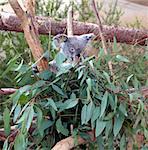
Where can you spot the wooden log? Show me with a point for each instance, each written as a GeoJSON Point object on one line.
{"type": "Point", "coordinates": [10, 22]}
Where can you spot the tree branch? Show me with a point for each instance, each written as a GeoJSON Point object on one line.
{"type": "Point", "coordinates": [69, 143]}
{"type": "Point", "coordinates": [29, 25]}
{"type": "Point", "coordinates": [9, 22]}
{"type": "Point", "coordinates": [100, 27]}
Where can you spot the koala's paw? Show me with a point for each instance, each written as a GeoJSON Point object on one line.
{"type": "Point", "coordinates": [53, 67]}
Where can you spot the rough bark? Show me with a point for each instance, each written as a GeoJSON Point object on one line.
{"type": "Point", "coordinates": [30, 28]}
{"type": "Point", "coordinates": [9, 22]}
{"type": "Point", "coordinates": [7, 91]}
{"type": "Point", "coordinates": [69, 143]}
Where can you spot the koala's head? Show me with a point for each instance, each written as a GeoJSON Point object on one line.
{"type": "Point", "coordinates": [72, 46]}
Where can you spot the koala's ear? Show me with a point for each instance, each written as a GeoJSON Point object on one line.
{"type": "Point", "coordinates": [89, 36]}
{"type": "Point", "coordinates": [58, 39]}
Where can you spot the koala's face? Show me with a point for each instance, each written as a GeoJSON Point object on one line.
{"type": "Point", "coordinates": [72, 46]}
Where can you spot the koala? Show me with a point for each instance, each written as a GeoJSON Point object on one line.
{"type": "Point", "coordinates": [69, 46]}
{"type": "Point", "coordinates": [72, 46]}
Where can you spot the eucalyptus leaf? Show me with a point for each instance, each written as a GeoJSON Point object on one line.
{"type": "Point", "coordinates": [57, 89]}
{"type": "Point", "coordinates": [123, 142]}
{"type": "Point", "coordinates": [60, 58]}
{"type": "Point", "coordinates": [104, 103]}
{"type": "Point", "coordinates": [60, 128]}
{"type": "Point", "coordinates": [100, 126]}
{"type": "Point", "coordinates": [6, 118]}
{"type": "Point", "coordinates": [39, 116]}
{"type": "Point", "coordinates": [30, 117]}
{"type": "Point", "coordinates": [96, 113]}
{"type": "Point", "coordinates": [89, 111]}
{"type": "Point", "coordinates": [80, 74]}
{"type": "Point", "coordinates": [51, 103]}
{"type": "Point", "coordinates": [88, 81]}
{"type": "Point", "coordinates": [5, 145]}
{"type": "Point", "coordinates": [20, 142]}
{"type": "Point", "coordinates": [17, 112]}
{"type": "Point", "coordinates": [83, 114]}
{"type": "Point", "coordinates": [119, 119]}
{"type": "Point", "coordinates": [122, 58]}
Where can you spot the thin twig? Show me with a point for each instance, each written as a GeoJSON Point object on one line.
{"type": "Point", "coordinates": [100, 27]}
{"type": "Point", "coordinates": [70, 20]}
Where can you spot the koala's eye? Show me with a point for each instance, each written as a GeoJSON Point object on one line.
{"type": "Point", "coordinates": [72, 49]}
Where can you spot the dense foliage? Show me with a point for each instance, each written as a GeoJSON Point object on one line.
{"type": "Point", "coordinates": [84, 96]}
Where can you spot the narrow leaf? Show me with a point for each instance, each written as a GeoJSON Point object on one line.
{"type": "Point", "coordinates": [104, 103]}
{"type": "Point", "coordinates": [119, 119]}
{"type": "Point", "coordinates": [30, 117]}
{"type": "Point", "coordinates": [122, 58]}
{"type": "Point", "coordinates": [100, 125]}
{"type": "Point", "coordinates": [61, 128]}
{"type": "Point", "coordinates": [6, 117]}
{"type": "Point", "coordinates": [51, 103]}
{"type": "Point", "coordinates": [17, 112]}
{"type": "Point", "coordinates": [83, 114]}
{"type": "Point", "coordinates": [89, 111]}
{"type": "Point", "coordinates": [57, 89]}
{"type": "Point", "coordinates": [96, 114]}
{"type": "Point", "coordinates": [88, 81]}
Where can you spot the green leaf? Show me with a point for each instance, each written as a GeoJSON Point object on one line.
{"type": "Point", "coordinates": [108, 129]}
{"type": "Point", "coordinates": [30, 117]}
{"type": "Point", "coordinates": [83, 114]}
{"type": "Point", "coordinates": [6, 118]}
{"type": "Point", "coordinates": [27, 116]}
{"type": "Point", "coordinates": [64, 68]}
{"type": "Point", "coordinates": [38, 84]}
{"type": "Point", "coordinates": [61, 128]}
{"type": "Point", "coordinates": [20, 142]}
{"type": "Point", "coordinates": [46, 55]}
{"type": "Point", "coordinates": [107, 76]}
{"type": "Point", "coordinates": [100, 142]}
{"type": "Point", "coordinates": [45, 124]}
{"type": "Point", "coordinates": [39, 116]}
{"type": "Point", "coordinates": [122, 58]}
{"type": "Point", "coordinates": [73, 96]}
{"type": "Point", "coordinates": [57, 89]}
{"type": "Point", "coordinates": [100, 126]}
{"type": "Point", "coordinates": [122, 108]}
{"type": "Point", "coordinates": [96, 113]}
{"type": "Point", "coordinates": [17, 112]}
{"type": "Point", "coordinates": [19, 66]}
{"type": "Point", "coordinates": [104, 103]}
{"type": "Point", "coordinates": [60, 58]}
{"type": "Point", "coordinates": [45, 75]}
{"type": "Point", "coordinates": [119, 119]}
{"type": "Point", "coordinates": [109, 116]}
{"type": "Point", "coordinates": [80, 74]}
{"type": "Point", "coordinates": [123, 142]}
{"type": "Point", "coordinates": [51, 103]}
{"type": "Point", "coordinates": [88, 81]}
{"type": "Point", "coordinates": [70, 103]}
{"type": "Point", "coordinates": [111, 142]}
{"type": "Point", "coordinates": [129, 77]}
{"type": "Point", "coordinates": [5, 145]}
{"type": "Point", "coordinates": [115, 45]}
{"type": "Point", "coordinates": [89, 111]}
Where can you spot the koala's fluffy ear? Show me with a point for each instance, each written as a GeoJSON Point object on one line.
{"type": "Point", "coordinates": [58, 39]}
{"type": "Point", "coordinates": [89, 36]}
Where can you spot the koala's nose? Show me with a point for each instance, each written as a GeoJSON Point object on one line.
{"type": "Point", "coordinates": [89, 36]}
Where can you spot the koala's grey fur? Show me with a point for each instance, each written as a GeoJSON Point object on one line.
{"type": "Point", "coordinates": [72, 46]}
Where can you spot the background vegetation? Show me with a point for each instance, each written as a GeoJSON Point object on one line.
{"type": "Point", "coordinates": [83, 96]}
